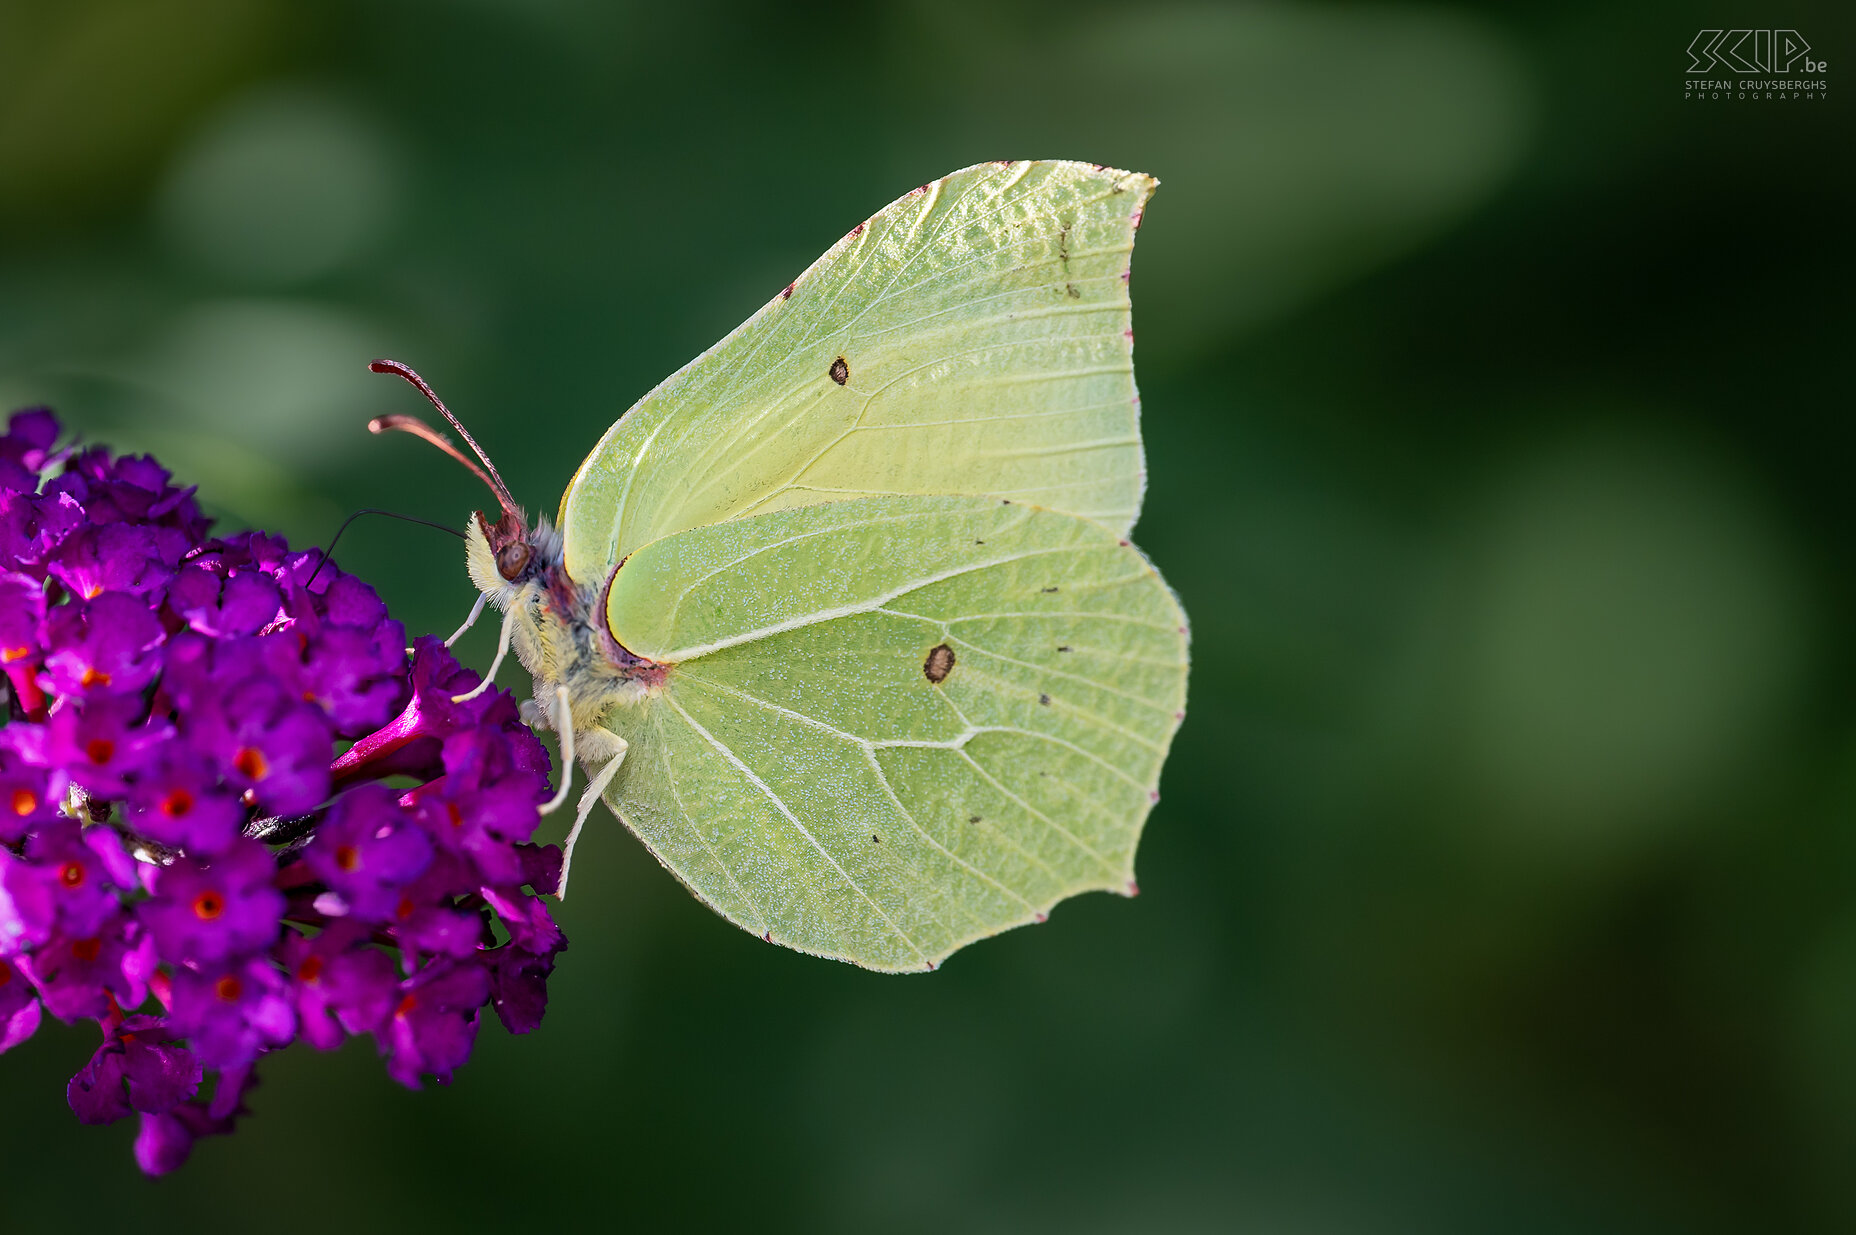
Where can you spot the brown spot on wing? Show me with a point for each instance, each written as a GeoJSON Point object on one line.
{"type": "Point", "coordinates": [939, 664]}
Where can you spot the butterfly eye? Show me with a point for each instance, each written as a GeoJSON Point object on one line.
{"type": "Point", "coordinates": [511, 559]}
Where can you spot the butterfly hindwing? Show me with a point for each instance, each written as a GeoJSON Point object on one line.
{"type": "Point", "coordinates": [894, 725]}
{"type": "Point", "coordinates": [973, 337]}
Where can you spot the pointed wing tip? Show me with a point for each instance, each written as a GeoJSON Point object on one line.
{"type": "Point", "coordinates": [1145, 182]}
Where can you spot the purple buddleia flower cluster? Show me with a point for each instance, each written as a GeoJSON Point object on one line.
{"type": "Point", "coordinates": [235, 813]}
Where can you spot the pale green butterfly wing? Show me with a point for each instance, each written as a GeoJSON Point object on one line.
{"type": "Point", "coordinates": [973, 337]}
{"type": "Point", "coordinates": [804, 772]}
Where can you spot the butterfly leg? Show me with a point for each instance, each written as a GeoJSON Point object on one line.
{"type": "Point", "coordinates": [502, 650]}
{"type": "Point", "coordinates": [563, 721]}
{"type": "Point", "coordinates": [590, 799]}
{"type": "Point", "coordinates": [476, 611]}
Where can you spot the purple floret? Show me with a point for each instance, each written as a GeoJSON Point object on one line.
{"type": "Point", "coordinates": [108, 644]}
{"type": "Point", "coordinates": [65, 883]}
{"type": "Point", "coordinates": [207, 912]}
{"type": "Point", "coordinates": [22, 630]}
{"type": "Point", "coordinates": [342, 985]}
{"type": "Point", "coordinates": [30, 793]}
{"type": "Point", "coordinates": [140, 1066]}
{"type": "Point", "coordinates": [19, 1006]}
{"type": "Point", "coordinates": [182, 803]}
{"type": "Point", "coordinates": [233, 1011]}
{"type": "Point", "coordinates": [101, 742]}
{"type": "Point", "coordinates": [79, 976]}
{"type": "Point", "coordinates": [266, 742]}
{"type": "Point", "coordinates": [435, 1023]}
{"type": "Point", "coordinates": [26, 448]}
{"type": "Point", "coordinates": [185, 857]}
{"type": "Point", "coordinates": [34, 527]}
{"type": "Point", "coordinates": [165, 1139]}
{"type": "Point", "coordinates": [117, 557]}
{"type": "Point", "coordinates": [367, 852]}
{"type": "Point", "coordinates": [519, 986]}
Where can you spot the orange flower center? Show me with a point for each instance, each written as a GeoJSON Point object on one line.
{"type": "Point", "coordinates": [310, 969]}
{"type": "Point", "coordinates": [208, 905]}
{"type": "Point", "coordinates": [86, 949]}
{"type": "Point", "coordinates": [177, 803]}
{"type": "Point", "coordinates": [454, 814]}
{"type": "Point", "coordinates": [9, 655]}
{"type": "Point", "coordinates": [94, 676]}
{"type": "Point", "coordinates": [100, 750]}
{"type": "Point", "coordinates": [24, 801]}
{"type": "Point", "coordinates": [406, 1005]}
{"type": "Point", "coordinates": [229, 988]}
{"type": "Point", "coordinates": [250, 762]}
{"type": "Point", "coordinates": [347, 857]}
{"type": "Point", "coordinates": [71, 874]}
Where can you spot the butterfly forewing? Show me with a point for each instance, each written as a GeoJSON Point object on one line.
{"type": "Point", "coordinates": [892, 726]}
{"type": "Point", "coordinates": [973, 337]}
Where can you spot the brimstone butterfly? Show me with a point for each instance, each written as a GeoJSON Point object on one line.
{"type": "Point", "coordinates": [842, 618]}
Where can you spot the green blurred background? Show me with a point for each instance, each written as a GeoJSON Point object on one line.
{"type": "Point", "coordinates": [1505, 878]}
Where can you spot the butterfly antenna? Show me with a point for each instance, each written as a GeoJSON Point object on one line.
{"type": "Point", "coordinates": [424, 432]}
{"type": "Point", "coordinates": [333, 540]}
{"type": "Point", "coordinates": [419, 429]}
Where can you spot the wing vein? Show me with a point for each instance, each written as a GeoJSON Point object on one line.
{"type": "Point", "coordinates": [735, 761]}
{"type": "Point", "coordinates": [1033, 811]}
{"type": "Point", "coordinates": [799, 621]}
{"type": "Point", "coordinates": [1092, 683]}
{"type": "Point", "coordinates": [866, 747]}
{"type": "Point", "coordinates": [689, 819]}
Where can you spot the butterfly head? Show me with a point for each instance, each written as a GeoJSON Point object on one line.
{"type": "Point", "coordinates": [506, 555]}
{"type": "Point", "coordinates": [506, 546]}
